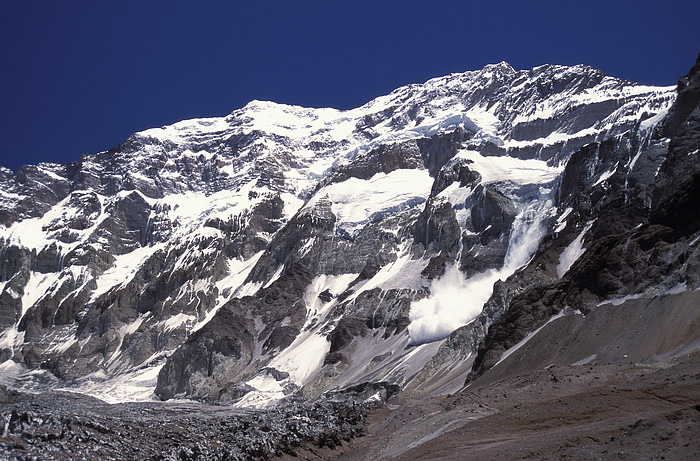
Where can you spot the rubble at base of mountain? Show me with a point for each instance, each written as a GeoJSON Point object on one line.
{"type": "Point", "coordinates": [61, 426]}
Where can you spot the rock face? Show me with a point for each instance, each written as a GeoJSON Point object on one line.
{"type": "Point", "coordinates": [283, 252]}
{"type": "Point", "coordinates": [213, 360]}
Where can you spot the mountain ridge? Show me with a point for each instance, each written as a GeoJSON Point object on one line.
{"type": "Point", "coordinates": [119, 264]}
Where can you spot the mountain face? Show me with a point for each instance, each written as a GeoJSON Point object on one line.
{"type": "Point", "coordinates": [285, 252]}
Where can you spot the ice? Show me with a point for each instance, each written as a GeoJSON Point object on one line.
{"type": "Point", "coordinates": [302, 360]}
{"type": "Point", "coordinates": [561, 220]}
{"type": "Point", "coordinates": [10, 195]}
{"type": "Point", "coordinates": [125, 330]}
{"type": "Point", "coordinates": [303, 357]}
{"type": "Point", "coordinates": [646, 128]}
{"type": "Point", "coordinates": [37, 287]}
{"type": "Point", "coordinates": [28, 233]}
{"type": "Point", "coordinates": [307, 143]}
{"type": "Point", "coordinates": [296, 122]}
{"type": "Point", "coordinates": [335, 284]}
{"type": "Point", "coordinates": [31, 233]}
{"type": "Point", "coordinates": [16, 375]}
{"type": "Point", "coordinates": [449, 121]}
{"type": "Point", "coordinates": [180, 131]}
{"type": "Point", "coordinates": [405, 272]}
{"type": "Point", "coordinates": [178, 320]}
{"type": "Point", "coordinates": [402, 361]}
{"type": "Point", "coordinates": [192, 207]}
{"type": "Point", "coordinates": [606, 175]}
{"type": "Point", "coordinates": [456, 194]}
{"type": "Point", "coordinates": [621, 300]}
{"type": "Point", "coordinates": [694, 241]}
{"type": "Point", "coordinates": [124, 269]}
{"type": "Point", "coordinates": [608, 90]}
{"type": "Point", "coordinates": [676, 289]}
{"type": "Point", "coordinates": [233, 284]}
{"type": "Point", "coordinates": [306, 353]}
{"type": "Point", "coordinates": [135, 386]}
{"type": "Point", "coordinates": [238, 270]}
{"type": "Point", "coordinates": [585, 360]}
{"type": "Point", "coordinates": [486, 120]}
{"type": "Point", "coordinates": [11, 338]}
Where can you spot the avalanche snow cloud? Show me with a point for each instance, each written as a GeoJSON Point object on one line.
{"type": "Point", "coordinates": [455, 300]}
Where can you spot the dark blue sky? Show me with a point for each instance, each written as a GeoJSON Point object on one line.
{"type": "Point", "coordinates": [81, 76]}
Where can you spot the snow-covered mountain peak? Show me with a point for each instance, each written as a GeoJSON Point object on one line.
{"type": "Point", "coordinates": [524, 113]}
{"type": "Point", "coordinates": [502, 68]}
{"type": "Point", "coordinates": [181, 131]}
{"type": "Point", "coordinates": [204, 237]}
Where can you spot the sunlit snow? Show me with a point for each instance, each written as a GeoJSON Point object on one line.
{"type": "Point", "coordinates": [357, 202]}
{"type": "Point", "coordinates": [511, 169]}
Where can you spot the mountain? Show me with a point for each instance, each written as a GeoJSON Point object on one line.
{"type": "Point", "coordinates": [415, 244]}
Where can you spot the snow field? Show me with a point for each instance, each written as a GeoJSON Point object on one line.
{"type": "Point", "coordinates": [304, 357]}
{"type": "Point", "coordinates": [511, 169]}
{"type": "Point", "coordinates": [357, 202]}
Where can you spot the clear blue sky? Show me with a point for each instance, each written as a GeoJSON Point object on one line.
{"type": "Point", "coordinates": [81, 76]}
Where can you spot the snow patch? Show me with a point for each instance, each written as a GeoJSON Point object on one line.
{"type": "Point", "coordinates": [585, 361]}
{"type": "Point", "coordinates": [176, 321]}
{"type": "Point", "coordinates": [16, 375]}
{"type": "Point", "coordinates": [605, 176]}
{"type": "Point", "coordinates": [179, 132]}
{"type": "Point", "coordinates": [135, 386]}
{"type": "Point", "coordinates": [622, 300]}
{"type": "Point", "coordinates": [334, 284]}
{"type": "Point", "coordinates": [123, 269]}
{"type": "Point", "coordinates": [402, 273]}
{"type": "Point", "coordinates": [572, 252]}
{"type": "Point", "coordinates": [302, 359]}
{"type": "Point", "coordinates": [233, 284]}
{"type": "Point", "coordinates": [561, 220]}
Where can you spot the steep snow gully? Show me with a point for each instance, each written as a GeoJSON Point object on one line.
{"type": "Point", "coordinates": [284, 253]}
